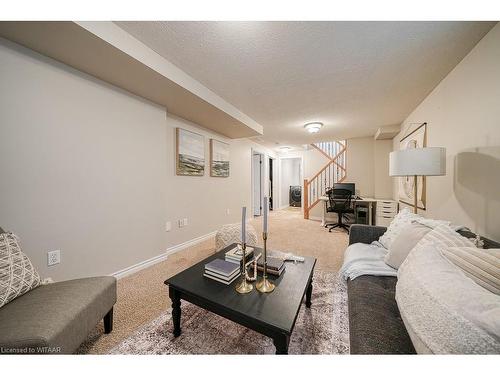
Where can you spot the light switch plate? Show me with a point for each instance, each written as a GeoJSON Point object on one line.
{"type": "Point", "coordinates": [168, 226]}
{"type": "Point", "coordinates": [185, 222]}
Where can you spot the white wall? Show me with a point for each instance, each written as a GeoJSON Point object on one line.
{"type": "Point", "coordinates": [463, 115]}
{"type": "Point", "coordinates": [290, 171]}
{"type": "Point", "coordinates": [382, 182]}
{"type": "Point", "coordinates": [313, 162]}
{"type": "Point", "coordinates": [367, 167]}
{"type": "Point", "coordinates": [361, 165]}
{"type": "Point", "coordinates": [89, 169]}
{"type": "Point", "coordinates": [204, 200]}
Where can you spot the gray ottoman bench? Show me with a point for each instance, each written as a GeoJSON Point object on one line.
{"type": "Point", "coordinates": [57, 318]}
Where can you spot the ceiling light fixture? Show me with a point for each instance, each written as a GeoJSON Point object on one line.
{"type": "Point", "coordinates": [285, 149]}
{"type": "Point", "coordinates": [313, 127]}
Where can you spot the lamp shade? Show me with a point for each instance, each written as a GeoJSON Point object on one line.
{"type": "Point", "coordinates": [427, 161]}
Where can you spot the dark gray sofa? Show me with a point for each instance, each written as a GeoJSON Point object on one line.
{"type": "Point", "coordinates": [58, 317]}
{"type": "Point", "coordinates": [375, 325]}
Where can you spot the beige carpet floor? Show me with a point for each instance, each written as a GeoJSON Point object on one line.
{"type": "Point", "coordinates": [142, 296]}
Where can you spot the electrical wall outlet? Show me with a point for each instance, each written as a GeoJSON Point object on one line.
{"type": "Point", "coordinates": [53, 257]}
{"type": "Point", "coordinates": [168, 226]}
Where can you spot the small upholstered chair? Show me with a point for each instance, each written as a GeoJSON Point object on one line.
{"type": "Point", "coordinates": [51, 318]}
{"type": "Point", "coordinates": [231, 233]}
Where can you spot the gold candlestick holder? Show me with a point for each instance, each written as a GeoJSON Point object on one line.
{"type": "Point", "coordinates": [244, 287]}
{"type": "Point", "coordinates": [264, 285]}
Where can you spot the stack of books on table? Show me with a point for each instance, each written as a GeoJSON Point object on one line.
{"type": "Point", "coordinates": [222, 271]}
{"type": "Point", "coordinates": [235, 255]}
{"type": "Point", "coordinates": [275, 266]}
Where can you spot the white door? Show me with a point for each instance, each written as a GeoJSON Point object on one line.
{"type": "Point", "coordinates": [257, 184]}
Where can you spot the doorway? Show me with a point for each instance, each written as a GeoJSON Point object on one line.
{"type": "Point", "coordinates": [257, 182]}
{"type": "Point", "coordinates": [290, 182]}
{"type": "Point", "coordinates": [272, 171]}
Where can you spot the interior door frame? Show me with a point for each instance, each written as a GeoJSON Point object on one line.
{"type": "Point", "coordinates": [301, 177]}
{"type": "Point", "coordinates": [262, 180]}
{"type": "Point", "coordinates": [275, 181]}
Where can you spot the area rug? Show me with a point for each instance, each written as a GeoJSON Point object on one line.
{"type": "Point", "coordinates": [322, 329]}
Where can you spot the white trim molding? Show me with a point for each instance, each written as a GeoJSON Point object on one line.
{"type": "Point", "coordinates": [159, 258]}
{"type": "Point", "coordinates": [316, 218]}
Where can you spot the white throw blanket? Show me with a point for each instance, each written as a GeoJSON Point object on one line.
{"type": "Point", "coordinates": [444, 310]}
{"type": "Point", "coordinates": [366, 259]}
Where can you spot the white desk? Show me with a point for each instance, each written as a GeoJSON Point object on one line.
{"type": "Point", "coordinates": [368, 201]}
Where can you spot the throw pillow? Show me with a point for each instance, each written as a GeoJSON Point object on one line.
{"type": "Point", "coordinates": [404, 242]}
{"type": "Point", "coordinates": [443, 236]}
{"type": "Point", "coordinates": [481, 265]}
{"type": "Point", "coordinates": [444, 311]}
{"type": "Point", "coordinates": [404, 217]}
{"type": "Point", "coordinates": [17, 274]}
{"type": "Point", "coordinates": [231, 233]}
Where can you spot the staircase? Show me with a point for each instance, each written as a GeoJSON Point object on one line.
{"type": "Point", "coordinates": [334, 171]}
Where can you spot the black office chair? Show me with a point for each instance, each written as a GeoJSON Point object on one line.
{"type": "Point", "coordinates": [339, 202]}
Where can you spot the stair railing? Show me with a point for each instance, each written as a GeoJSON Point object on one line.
{"type": "Point", "coordinates": [334, 171]}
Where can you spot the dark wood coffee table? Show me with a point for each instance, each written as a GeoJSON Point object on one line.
{"type": "Point", "coordinates": [271, 314]}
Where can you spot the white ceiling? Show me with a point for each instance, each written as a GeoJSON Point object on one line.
{"type": "Point", "coordinates": [352, 76]}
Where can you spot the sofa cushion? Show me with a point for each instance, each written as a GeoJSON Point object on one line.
{"type": "Point", "coordinates": [56, 317]}
{"type": "Point", "coordinates": [17, 274]}
{"type": "Point", "coordinates": [404, 242]}
{"type": "Point", "coordinates": [375, 325]}
{"type": "Point", "coordinates": [403, 218]}
{"type": "Point", "coordinates": [445, 311]}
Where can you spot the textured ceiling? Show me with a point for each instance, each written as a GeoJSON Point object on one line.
{"type": "Point", "coordinates": [352, 76]}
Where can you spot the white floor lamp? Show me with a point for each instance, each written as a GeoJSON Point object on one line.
{"type": "Point", "coordinates": [427, 161]}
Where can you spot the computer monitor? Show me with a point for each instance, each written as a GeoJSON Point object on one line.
{"type": "Point", "coordinates": [346, 185]}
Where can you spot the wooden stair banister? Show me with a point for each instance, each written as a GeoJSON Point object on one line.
{"type": "Point", "coordinates": [334, 171]}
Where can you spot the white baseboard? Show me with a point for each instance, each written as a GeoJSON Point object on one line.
{"type": "Point", "coordinates": [159, 258]}
{"type": "Point", "coordinates": [316, 218]}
